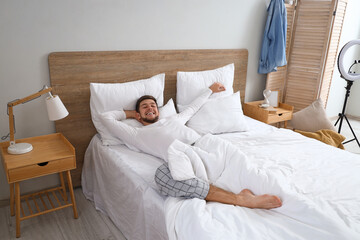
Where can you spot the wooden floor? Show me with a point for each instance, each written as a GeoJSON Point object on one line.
{"type": "Point", "coordinates": [61, 225]}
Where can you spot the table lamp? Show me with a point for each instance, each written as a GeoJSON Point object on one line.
{"type": "Point", "coordinates": [56, 111]}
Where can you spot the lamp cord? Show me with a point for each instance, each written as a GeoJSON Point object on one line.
{"type": "Point", "coordinates": [8, 135]}
{"type": "Point", "coordinates": [5, 137]}
{"type": "Point", "coordinates": [44, 87]}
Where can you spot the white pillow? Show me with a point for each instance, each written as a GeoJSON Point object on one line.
{"type": "Point", "coordinates": [191, 84]}
{"type": "Point", "coordinates": [114, 96]}
{"type": "Point", "coordinates": [219, 115]}
{"type": "Point", "coordinates": [165, 111]}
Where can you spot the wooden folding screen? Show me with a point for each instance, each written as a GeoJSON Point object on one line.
{"type": "Point", "coordinates": [312, 50]}
{"type": "Point", "coordinates": [333, 49]}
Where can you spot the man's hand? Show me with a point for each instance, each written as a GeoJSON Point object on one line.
{"type": "Point", "coordinates": [217, 87]}
{"type": "Point", "coordinates": [130, 113]}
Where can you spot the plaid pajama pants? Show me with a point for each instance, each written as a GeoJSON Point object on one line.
{"type": "Point", "coordinates": [191, 188]}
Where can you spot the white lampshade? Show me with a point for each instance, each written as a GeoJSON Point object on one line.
{"type": "Point", "coordinates": [55, 108]}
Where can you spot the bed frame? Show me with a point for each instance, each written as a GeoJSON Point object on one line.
{"type": "Point", "coordinates": [71, 73]}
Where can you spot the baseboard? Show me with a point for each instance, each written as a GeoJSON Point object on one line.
{"type": "Point", "coordinates": [357, 118]}
{"type": "Point", "coordinates": [4, 203]}
{"type": "Point", "coordinates": [352, 117]}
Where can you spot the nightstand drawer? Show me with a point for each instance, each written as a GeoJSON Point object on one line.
{"type": "Point", "coordinates": [274, 118]}
{"type": "Point", "coordinates": [41, 169]}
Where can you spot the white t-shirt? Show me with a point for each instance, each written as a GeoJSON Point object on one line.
{"type": "Point", "coordinates": [155, 138]}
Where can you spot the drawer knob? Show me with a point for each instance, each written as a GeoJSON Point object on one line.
{"type": "Point", "coordinates": [43, 164]}
{"type": "Point", "coordinates": [280, 114]}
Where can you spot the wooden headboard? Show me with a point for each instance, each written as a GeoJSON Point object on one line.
{"type": "Point", "coordinates": [71, 73]}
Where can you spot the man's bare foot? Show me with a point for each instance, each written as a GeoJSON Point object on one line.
{"type": "Point", "coordinates": [247, 199]}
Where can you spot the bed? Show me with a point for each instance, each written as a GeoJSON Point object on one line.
{"type": "Point", "coordinates": [317, 183]}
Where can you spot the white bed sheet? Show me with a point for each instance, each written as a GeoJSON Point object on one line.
{"type": "Point", "coordinates": [121, 182]}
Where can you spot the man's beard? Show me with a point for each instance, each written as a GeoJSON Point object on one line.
{"type": "Point", "coordinates": [150, 120]}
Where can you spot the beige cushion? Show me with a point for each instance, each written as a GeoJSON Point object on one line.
{"type": "Point", "coordinates": [311, 118]}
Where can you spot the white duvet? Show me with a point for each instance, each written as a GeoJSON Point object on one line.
{"type": "Point", "coordinates": [319, 186]}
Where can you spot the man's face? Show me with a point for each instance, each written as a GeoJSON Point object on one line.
{"type": "Point", "coordinates": [148, 112]}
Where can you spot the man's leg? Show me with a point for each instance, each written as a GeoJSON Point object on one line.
{"type": "Point", "coordinates": [245, 198]}
{"type": "Point", "coordinates": [195, 188]}
{"type": "Point", "coordinates": [191, 188]}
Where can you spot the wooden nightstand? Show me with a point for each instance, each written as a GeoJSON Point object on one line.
{"type": "Point", "coordinates": [51, 154]}
{"type": "Point", "coordinates": [283, 113]}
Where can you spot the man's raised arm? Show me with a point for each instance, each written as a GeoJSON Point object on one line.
{"type": "Point", "coordinates": [199, 101]}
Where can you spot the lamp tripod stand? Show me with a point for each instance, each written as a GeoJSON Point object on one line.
{"type": "Point", "coordinates": [350, 77]}
{"type": "Point", "coordinates": [342, 114]}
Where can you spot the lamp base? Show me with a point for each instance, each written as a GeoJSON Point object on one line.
{"type": "Point", "coordinates": [19, 148]}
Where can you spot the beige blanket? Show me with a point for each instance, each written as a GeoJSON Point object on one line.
{"type": "Point", "coordinates": [327, 136]}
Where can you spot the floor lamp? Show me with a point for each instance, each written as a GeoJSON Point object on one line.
{"type": "Point", "coordinates": [349, 77]}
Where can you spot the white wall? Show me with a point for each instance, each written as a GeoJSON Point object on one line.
{"type": "Point", "coordinates": [353, 108]}
{"type": "Point", "coordinates": [30, 30]}
{"type": "Point", "coordinates": [351, 30]}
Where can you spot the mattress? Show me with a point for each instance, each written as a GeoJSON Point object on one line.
{"type": "Point", "coordinates": [121, 184]}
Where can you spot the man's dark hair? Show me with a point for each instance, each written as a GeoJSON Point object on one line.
{"type": "Point", "coordinates": [142, 99]}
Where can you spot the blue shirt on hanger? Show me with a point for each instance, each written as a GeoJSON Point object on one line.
{"type": "Point", "coordinates": [273, 51]}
